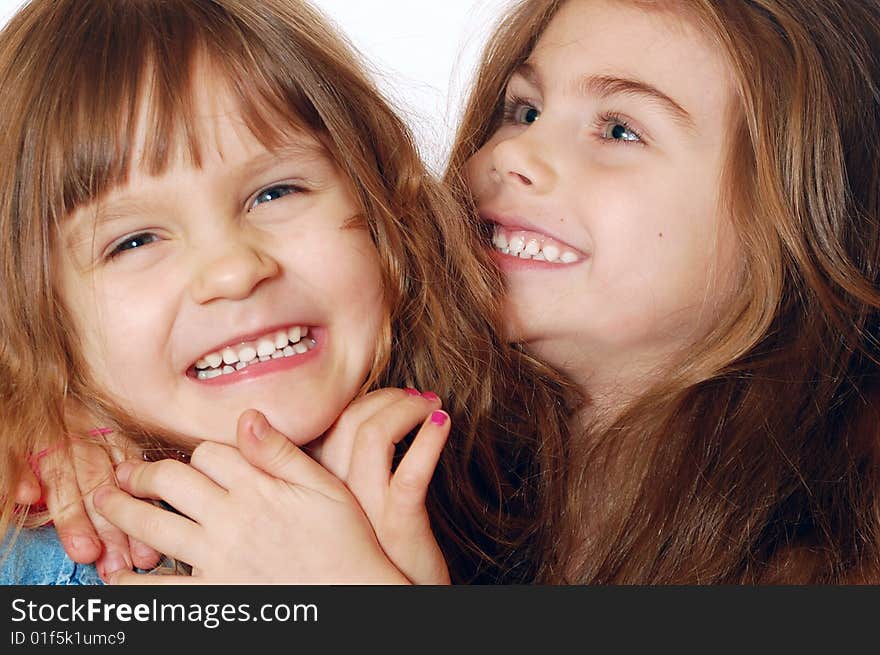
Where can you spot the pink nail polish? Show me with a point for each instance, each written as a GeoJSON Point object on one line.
{"type": "Point", "coordinates": [430, 395]}
{"type": "Point", "coordinates": [438, 417]}
{"type": "Point", "coordinates": [412, 392]}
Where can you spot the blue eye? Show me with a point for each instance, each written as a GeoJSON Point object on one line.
{"type": "Point", "coordinates": [132, 242]}
{"type": "Point", "coordinates": [520, 112]}
{"type": "Point", "coordinates": [273, 193]}
{"type": "Point", "coordinates": [617, 130]}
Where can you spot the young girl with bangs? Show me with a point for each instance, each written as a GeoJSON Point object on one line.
{"type": "Point", "coordinates": [187, 182]}
{"type": "Point", "coordinates": [699, 252]}
{"type": "Point", "coordinates": [683, 198]}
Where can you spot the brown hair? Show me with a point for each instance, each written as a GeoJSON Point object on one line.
{"type": "Point", "coordinates": [72, 75]}
{"type": "Point", "coordinates": [759, 461]}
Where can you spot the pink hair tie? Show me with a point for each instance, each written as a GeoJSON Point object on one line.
{"type": "Point", "coordinates": [34, 459]}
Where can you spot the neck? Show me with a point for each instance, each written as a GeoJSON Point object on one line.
{"type": "Point", "coordinates": [610, 385]}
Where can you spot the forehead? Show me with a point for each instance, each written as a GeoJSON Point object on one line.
{"type": "Point", "coordinates": [643, 41]}
{"type": "Point", "coordinates": [219, 129]}
{"type": "Point", "coordinates": [211, 115]}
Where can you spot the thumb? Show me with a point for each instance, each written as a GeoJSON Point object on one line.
{"type": "Point", "coordinates": [270, 451]}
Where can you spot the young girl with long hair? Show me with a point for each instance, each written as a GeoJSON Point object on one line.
{"type": "Point", "coordinates": [189, 181]}
{"type": "Point", "coordinates": [685, 200]}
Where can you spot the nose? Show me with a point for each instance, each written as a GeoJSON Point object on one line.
{"type": "Point", "coordinates": [524, 161]}
{"type": "Point", "coordinates": [233, 273]}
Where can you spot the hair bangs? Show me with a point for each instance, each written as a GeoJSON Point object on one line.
{"type": "Point", "coordinates": [129, 100]}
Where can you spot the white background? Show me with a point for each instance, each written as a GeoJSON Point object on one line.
{"type": "Point", "coordinates": [423, 53]}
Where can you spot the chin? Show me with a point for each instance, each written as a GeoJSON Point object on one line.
{"type": "Point", "coordinates": [298, 431]}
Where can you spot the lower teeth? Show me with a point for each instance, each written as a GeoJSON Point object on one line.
{"type": "Point", "coordinates": [298, 348]}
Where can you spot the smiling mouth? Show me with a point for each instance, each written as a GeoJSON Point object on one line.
{"type": "Point", "coordinates": [278, 344]}
{"type": "Point", "coordinates": [525, 244]}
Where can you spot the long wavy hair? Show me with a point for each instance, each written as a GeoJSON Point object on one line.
{"type": "Point", "coordinates": [756, 461]}
{"type": "Point", "coordinates": [72, 75]}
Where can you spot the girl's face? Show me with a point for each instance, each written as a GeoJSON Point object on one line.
{"type": "Point", "coordinates": [604, 183]}
{"type": "Point", "coordinates": [206, 291]}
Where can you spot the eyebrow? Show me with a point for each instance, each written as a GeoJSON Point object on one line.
{"type": "Point", "coordinates": [90, 217]}
{"type": "Point", "coordinates": [604, 86]}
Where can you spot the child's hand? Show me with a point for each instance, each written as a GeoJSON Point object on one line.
{"type": "Point", "coordinates": [359, 450]}
{"type": "Point", "coordinates": [69, 478]}
{"type": "Point", "coordinates": [297, 525]}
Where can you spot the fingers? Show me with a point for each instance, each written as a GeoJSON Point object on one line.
{"type": "Point", "coordinates": [373, 450]}
{"type": "Point", "coordinates": [93, 469]}
{"type": "Point", "coordinates": [183, 487]}
{"type": "Point", "coordinates": [170, 533]}
{"type": "Point", "coordinates": [406, 531]}
{"type": "Point", "coordinates": [409, 484]}
{"type": "Point", "coordinates": [224, 464]}
{"type": "Point", "coordinates": [142, 555]}
{"type": "Point", "coordinates": [272, 452]}
{"type": "Point", "coordinates": [334, 449]}
{"type": "Point", "coordinates": [86, 535]}
{"type": "Point", "coordinates": [64, 501]}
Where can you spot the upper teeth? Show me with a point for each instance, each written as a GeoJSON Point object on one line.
{"type": "Point", "coordinates": [284, 343]}
{"type": "Point", "coordinates": [528, 245]}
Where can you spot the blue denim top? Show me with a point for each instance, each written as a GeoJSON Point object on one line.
{"type": "Point", "coordinates": [38, 558]}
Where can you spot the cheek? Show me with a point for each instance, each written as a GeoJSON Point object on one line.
{"type": "Point", "coordinates": [345, 263]}
{"type": "Point", "coordinates": [345, 273]}
{"type": "Point", "coordinates": [122, 330]}
{"type": "Point", "coordinates": [92, 331]}
{"type": "Point", "coordinates": [477, 171]}
{"type": "Point", "coordinates": [656, 267]}
{"type": "Point", "coordinates": [362, 287]}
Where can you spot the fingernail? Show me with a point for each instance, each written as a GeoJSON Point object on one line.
{"type": "Point", "coordinates": [412, 392]}
{"type": "Point", "coordinates": [259, 426]}
{"type": "Point", "coordinates": [123, 472]}
{"type": "Point", "coordinates": [79, 543]}
{"type": "Point", "coordinates": [143, 551]}
{"type": "Point", "coordinates": [438, 417]}
{"type": "Point", "coordinates": [430, 395]}
{"type": "Point", "coordinates": [99, 495]}
{"type": "Point", "coordinates": [112, 563]}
